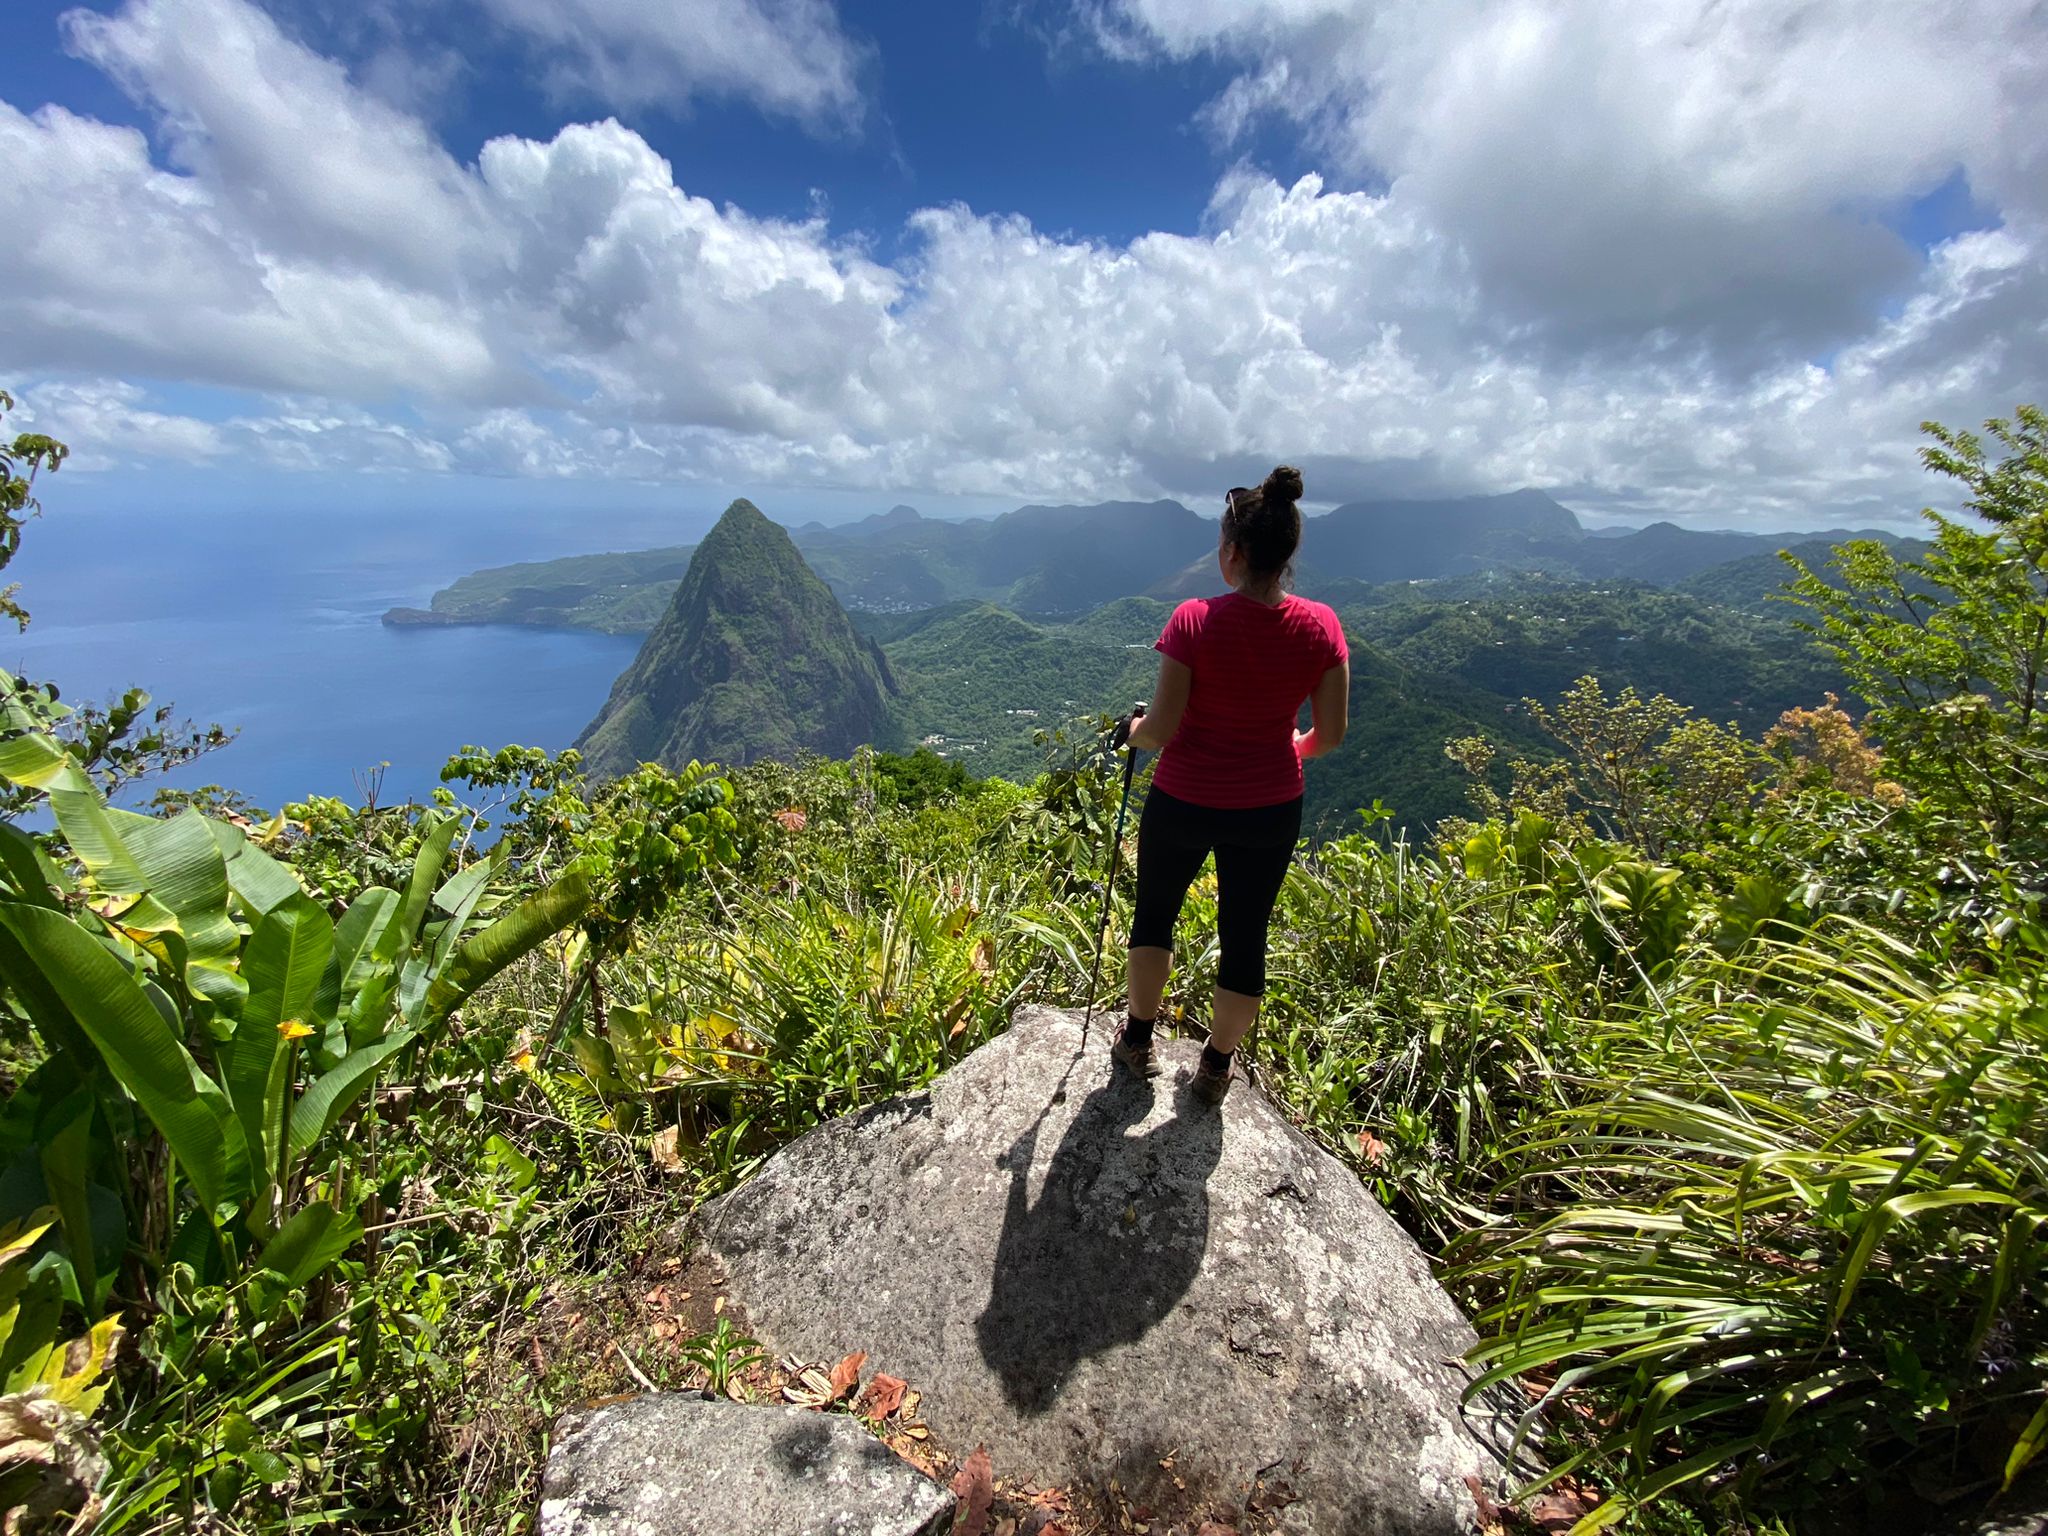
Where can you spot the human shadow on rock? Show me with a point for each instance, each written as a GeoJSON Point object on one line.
{"type": "Point", "coordinates": [1112, 1244]}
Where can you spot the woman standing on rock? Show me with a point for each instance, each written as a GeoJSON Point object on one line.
{"type": "Point", "coordinates": [1233, 672]}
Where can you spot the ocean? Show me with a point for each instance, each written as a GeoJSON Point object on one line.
{"type": "Point", "coordinates": [268, 624]}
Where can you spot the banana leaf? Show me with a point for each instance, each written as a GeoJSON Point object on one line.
{"type": "Point", "coordinates": [539, 917]}
{"type": "Point", "coordinates": [139, 1049]}
{"type": "Point", "coordinates": [287, 959]}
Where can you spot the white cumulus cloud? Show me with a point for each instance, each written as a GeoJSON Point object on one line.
{"type": "Point", "coordinates": [1695, 172]}
{"type": "Point", "coordinates": [1695, 323]}
{"type": "Point", "coordinates": [788, 57]}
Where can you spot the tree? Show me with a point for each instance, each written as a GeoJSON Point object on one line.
{"type": "Point", "coordinates": [1646, 770]}
{"type": "Point", "coordinates": [20, 462]}
{"type": "Point", "coordinates": [1951, 649]}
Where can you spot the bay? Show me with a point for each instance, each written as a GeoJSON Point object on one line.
{"type": "Point", "coordinates": [271, 626]}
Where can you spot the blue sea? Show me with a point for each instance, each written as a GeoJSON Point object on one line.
{"type": "Point", "coordinates": [268, 623]}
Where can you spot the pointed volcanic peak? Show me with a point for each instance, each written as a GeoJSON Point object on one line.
{"type": "Point", "coordinates": [754, 658]}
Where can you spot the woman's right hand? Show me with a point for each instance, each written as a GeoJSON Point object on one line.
{"type": "Point", "coordinates": [1121, 732]}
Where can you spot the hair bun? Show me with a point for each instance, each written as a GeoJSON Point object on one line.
{"type": "Point", "coordinates": [1284, 484]}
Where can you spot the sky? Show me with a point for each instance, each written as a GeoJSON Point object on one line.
{"type": "Point", "coordinates": [1705, 260]}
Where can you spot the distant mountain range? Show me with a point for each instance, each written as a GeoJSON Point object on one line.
{"type": "Point", "coordinates": [1058, 562]}
{"type": "Point", "coordinates": [754, 657]}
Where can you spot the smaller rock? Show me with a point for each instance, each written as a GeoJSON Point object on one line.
{"type": "Point", "coordinates": [671, 1465]}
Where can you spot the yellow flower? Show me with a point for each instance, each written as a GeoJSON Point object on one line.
{"type": "Point", "coordinates": [524, 1060]}
{"type": "Point", "coordinates": [293, 1029]}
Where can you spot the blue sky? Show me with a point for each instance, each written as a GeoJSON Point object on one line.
{"type": "Point", "coordinates": [969, 104]}
{"type": "Point", "coordinates": [1711, 263]}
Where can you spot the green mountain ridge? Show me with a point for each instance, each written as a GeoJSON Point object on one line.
{"type": "Point", "coordinates": [1062, 562]}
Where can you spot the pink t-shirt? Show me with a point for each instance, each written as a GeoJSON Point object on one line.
{"type": "Point", "coordinates": [1253, 666]}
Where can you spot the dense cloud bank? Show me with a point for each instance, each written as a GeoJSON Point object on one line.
{"type": "Point", "coordinates": [1647, 257]}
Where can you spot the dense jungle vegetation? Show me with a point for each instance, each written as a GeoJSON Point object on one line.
{"type": "Point", "coordinates": [1707, 1066]}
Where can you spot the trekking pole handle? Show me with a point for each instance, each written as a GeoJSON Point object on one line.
{"type": "Point", "coordinates": [1122, 734]}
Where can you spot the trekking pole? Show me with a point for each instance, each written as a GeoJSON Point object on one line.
{"type": "Point", "coordinates": [1116, 847]}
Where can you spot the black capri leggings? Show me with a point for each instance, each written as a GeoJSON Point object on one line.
{"type": "Point", "coordinates": [1252, 850]}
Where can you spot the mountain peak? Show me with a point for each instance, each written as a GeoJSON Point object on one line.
{"type": "Point", "coordinates": [753, 658]}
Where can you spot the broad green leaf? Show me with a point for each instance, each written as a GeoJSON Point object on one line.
{"type": "Point", "coordinates": [37, 760]}
{"type": "Point", "coordinates": [460, 892]}
{"type": "Point", "coordinates": [258, 881]}
{"type": "Point", "coordinates": [183, 866]}
{"type": "Point", "coordinates": [309, 1242]}
{"type": "Point", "coordinates": [30, 875]}
{"type": "Point", "coordinates": [356, 935]}
{"type": "Point", "coordinates": [426, 873]}
{"type": "Point", "coordinates": [140, 1049]}
{"type": "Point", "coordinates": [64, 1144]}
{"type": "Point", "coordinates": [329, 1099]}
{"type": "Point", "coordinates": [83, 819]}
{"type": "Point", "coordinates": [287, 957]}
{"type": "Point", "coordinates": [45, 1009]}
{"type": "Point", "coordinates": [369, 1011]}
{"type": "Point", "coordinates": [484, 955]}
{"type": "Point", "coordinates": [458, 898]}
{"type": "Point", "coordinates": [508, 1159]}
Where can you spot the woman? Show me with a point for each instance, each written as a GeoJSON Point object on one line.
{"type": "Point", "coordinates": [1233, 673]}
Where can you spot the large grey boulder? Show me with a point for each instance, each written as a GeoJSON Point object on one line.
{"type": "Point", "coordinates": [670, 1465]}
{"type": "Point", "coordinates": [1104, 1279]}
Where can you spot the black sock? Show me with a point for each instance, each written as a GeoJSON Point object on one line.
{"type": "Point", "coordinates": [1215, 1062]}
{"type": "Point", "coordinates": [1137, 1031]}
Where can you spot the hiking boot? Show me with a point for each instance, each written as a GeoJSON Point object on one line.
{"type": "Point", "coordinates": [1140, 1059]}
{"type": "Point", "coordinates": [1209, 1087]}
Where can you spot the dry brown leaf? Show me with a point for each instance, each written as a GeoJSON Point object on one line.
{"type": "Point", "coordinates": [885, 1395]}
{"type": "Point", "coordinates": [658, 1297]}
{"type": "Point", "coordinates": [1488, 1511]}
{"type": "Point", "coordinates": [957, 1017]}
{"type": "Point", "coordinates": [975, 1487]}
{"type": "Point", "coordinates": [1562, 1505]}
{"type": "Point", "coordinates": [846, 1374]}
{"type": "Point", "coordinates": [984, 958]}
{"type": "Point", "coordinates": [662, 1151]}
{"type": "Point", "coordinates": [1374, 1149]}
{"type": "Point", "coordinates": [1211, 1528]}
